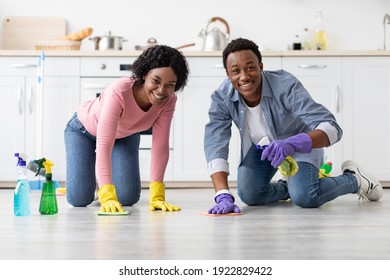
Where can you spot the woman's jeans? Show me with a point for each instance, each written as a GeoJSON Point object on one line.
{"type": "Point", "coordinates": [305, 189]}
{"type": "Point", "coordinates": [81, 183]}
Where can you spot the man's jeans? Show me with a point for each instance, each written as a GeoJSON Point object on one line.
{"type": "Point", "coordinates": [304, 188]}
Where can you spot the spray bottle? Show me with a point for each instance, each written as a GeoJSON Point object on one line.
{"type": "Point", "coordinates": [48, 204]}
{"type": "Point", "coordinates": [325, 169]}
{"type": "Point", "coordinates": [288, 167]}
{"type": "Point", "coordinates": [22, 205]}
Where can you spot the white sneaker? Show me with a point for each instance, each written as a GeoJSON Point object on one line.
{"type": "Point", "coordinates": [369, 187]}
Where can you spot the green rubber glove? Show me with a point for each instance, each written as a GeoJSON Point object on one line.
{"type": "Point", "coordinates": [108, 199]}
{"type": "Point", "coordinates": [157, 198]}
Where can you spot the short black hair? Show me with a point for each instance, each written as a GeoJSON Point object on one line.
{"type": "Point", "coordinates": [240, 44]}
{"type": "Point", "coordinates": [161, 56]}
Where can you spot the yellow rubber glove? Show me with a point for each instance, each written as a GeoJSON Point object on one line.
{"type": "Point", "coordinates": [157, 198]}
{"type": "Point", "coordinates": [108, 199]}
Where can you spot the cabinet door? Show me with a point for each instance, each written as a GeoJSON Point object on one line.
{"type": "Point", "coordinates": [271, 63]}
{"type": "Point", "coordinates": [90, 87]}
{"type": "Point", "coordinates": [322, 78]}
{"type": "Point", "coordinates": [367, 114]}
{"type": "Point", "coordinates": [190, 118]}
{"type": "Point", "coordinates": [12, 113]}
{"type": "Point", "coordinates": [59, 102]}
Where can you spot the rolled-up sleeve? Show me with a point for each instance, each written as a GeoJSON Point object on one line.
{"type": "Point", "coordinates": [217, 135]}
{"type": "Point", "coordinates": [330, 130]}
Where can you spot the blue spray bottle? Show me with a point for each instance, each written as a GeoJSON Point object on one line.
{"type": "Point", "coordinates": [22, 205]}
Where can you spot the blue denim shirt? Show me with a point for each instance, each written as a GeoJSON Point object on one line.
{"type": "Point", "coordinates": [288, 110]}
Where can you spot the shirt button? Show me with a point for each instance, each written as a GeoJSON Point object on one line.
{"type": "Point", "coordinates": [242, 111]}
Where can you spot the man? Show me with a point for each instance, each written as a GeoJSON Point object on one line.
{"type": "Point", "coordinates": [273, 104]}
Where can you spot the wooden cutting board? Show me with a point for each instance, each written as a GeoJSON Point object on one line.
{"type": "Point", "coordinates": [23, 32]}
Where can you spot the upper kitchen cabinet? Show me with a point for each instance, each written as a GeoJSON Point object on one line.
{"type": "Point", "coordinates": [367, 115]}
{"type": "Point", "coordinates": [34, 120]}
{"type": "Point", "coordinates": [321, 76]}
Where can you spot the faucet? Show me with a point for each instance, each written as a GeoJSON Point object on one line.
{"type": "Point", "coordinates": [386, 20]}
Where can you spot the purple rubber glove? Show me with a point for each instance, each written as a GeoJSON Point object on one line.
{"type": "Point", "coordinates": [278, 150]}
{"type": "Point", "coordinates": [225, 205]}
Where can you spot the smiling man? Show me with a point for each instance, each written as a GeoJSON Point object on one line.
{"type": "Point", "coordinates": [273, 104]}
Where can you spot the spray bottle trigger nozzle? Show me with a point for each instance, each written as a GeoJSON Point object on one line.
{"type": "Point", "coordinates": [264, 142]}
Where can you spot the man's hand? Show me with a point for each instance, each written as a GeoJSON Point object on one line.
{"type": "Point", "coordinates": [225, 204]}
{"type": "Point", "coordinates": [278, 150]}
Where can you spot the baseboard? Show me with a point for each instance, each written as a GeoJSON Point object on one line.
{"type": "Point", "coordinates": [169, 184]}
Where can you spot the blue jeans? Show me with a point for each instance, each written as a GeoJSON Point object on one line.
{"type": "Point", "coordinates": [305, 189]}
{"type": "Point", "coordinates": [80, 148]}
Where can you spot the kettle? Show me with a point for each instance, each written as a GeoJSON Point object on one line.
{"type": "Point", "coordinates": [215, 39]}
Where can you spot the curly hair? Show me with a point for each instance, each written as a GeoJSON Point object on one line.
{"type": "Point", "coordinates": [161, 56]}
{"type": "Point", "coordinates": [240, 44]}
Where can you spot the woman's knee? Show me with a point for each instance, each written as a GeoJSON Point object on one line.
{"type": "Point", "coordinates": [78, 201]}
{"type": "Point", "coordinates": [130, 200]}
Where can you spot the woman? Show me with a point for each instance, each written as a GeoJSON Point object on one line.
{"type": "Point", "coordinates": [274, 104]}
{"type": "Point", "coordinates": [106, 132]}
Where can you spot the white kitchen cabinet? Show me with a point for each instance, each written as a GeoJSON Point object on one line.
{"type": "Point", "coordinates": [13, 105]}
{"type": "Point", "coordinates": [190, 118]}
{"type": "Point", "coordinates": [271, 63]}
{"type": "Point", "coordinates": [33, 128]}
{"type": "Point", "coordinates": [367, 115]}
{"type": "Point", "coordinates": [321, 76]}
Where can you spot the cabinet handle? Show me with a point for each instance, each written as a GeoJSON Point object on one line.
{"type": "Point", "coordinates": [22, 65]}
{"type": "Point", "coordinates": [29, 98]}
{"type": "Point", "coordinates": [337, 99]}
{"type": "Point", "coordinates": [103, 66]}
{"type": "Point", "coordinates": [20, 101]}
{"type": "Point", "coordinates": [311, 66]}
{"type": "Point", "coordinates": [125, 67]}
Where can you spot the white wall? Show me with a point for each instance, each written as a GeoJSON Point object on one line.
{"type": "Point", "coordinates": [351, 24]}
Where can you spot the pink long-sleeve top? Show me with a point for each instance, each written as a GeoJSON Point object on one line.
{"type": "Point", "coordinates": [115, 114]}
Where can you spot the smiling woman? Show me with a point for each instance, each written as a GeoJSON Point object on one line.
{"type": "Point", "coordinates": [106, 130]}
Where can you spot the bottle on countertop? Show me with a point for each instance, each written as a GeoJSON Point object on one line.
{"type": "Point", "coordinates": [48, 204]}
{"type": "Point", "coordinates": [319, 33]}
{"type": "Point", "coordinates": [307, 39]}
{"type": "Point", "coordinates": [22, 205]}
{"type": "Point", "coordinates": [297, 44]}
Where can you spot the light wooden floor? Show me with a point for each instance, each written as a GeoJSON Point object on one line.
{"type": "Point", "coordinates": [341, 229]}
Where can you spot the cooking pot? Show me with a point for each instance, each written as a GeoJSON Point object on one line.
{"type": "Point", "coordinates": [108, 42]}
{"type": "Point", "coordinates": [150, 43]}
{"type": "Point", "coordinates": [215, 39]}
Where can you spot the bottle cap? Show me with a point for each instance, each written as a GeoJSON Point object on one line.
{"type": "Point", "coordinates": [21, 159]}
{"type": "Point", "coordinates": [48, 165]}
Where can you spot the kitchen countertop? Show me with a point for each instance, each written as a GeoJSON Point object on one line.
{"type": "Point", "coordinates": [192, 53]}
